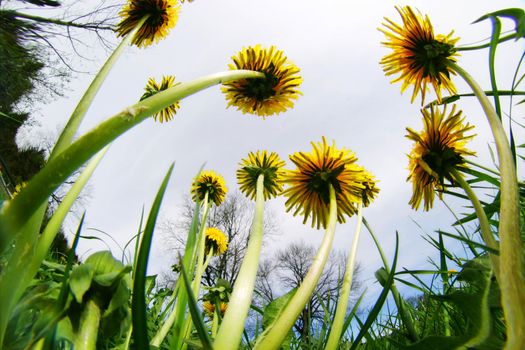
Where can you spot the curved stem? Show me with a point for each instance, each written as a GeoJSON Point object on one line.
{"type": "Point", "coordinates": [275, 335]}
{"type": "Point", "coordinates": [65, 138]}
{"type": "Point", "coordinates": [232, 326]}
{"type": "Point", "coordinates": [342, 304]}
{"type": "Point", "coordinates": [512, 281]}
{"type": "Point", "coordinates": [57, 170]}
{"type": "Point", "coordinates": [484, 226]}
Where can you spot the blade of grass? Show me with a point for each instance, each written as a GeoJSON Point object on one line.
{"type": "Point", "coordinates": [189, 260]}
{"type": "Point", "coordinates": [380, 301]}
{"type": "Point", "coordinates": [138, 301]}
{"type": "Point", "coordinates": [470, 242]}
{"type": "Point", "coordinates": [195, 313]}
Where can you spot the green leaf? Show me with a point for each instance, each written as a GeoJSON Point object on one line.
{"type": "Point", "coordinates": [272, 311]}
{"type": "Point", "coordinates": [516, 14]}
{"type": "Point", "coordinates": [275, 307]}
{"type": "Point", "coordinates": [108, 279]}
{"type": "Point", "coordinates": [80, 280]}
{"type": "Point", "coordinates": [475, 301]}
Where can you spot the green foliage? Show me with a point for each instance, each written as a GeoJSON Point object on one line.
{"type": "Point", "coordinates": [272, 312]}
{"type": "Point", "coordinates": [89, 305]}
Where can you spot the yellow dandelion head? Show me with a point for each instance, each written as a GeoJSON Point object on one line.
{"type": "Point", "coordinates": [261, 162]}
{"type": "Point", "coordinates": [18, 188]}
{"type": "Point", "coordinates": [216, 240]}
{"type": "Point", "coordinates": [419, 57]}
{"type": "Point", "coordinates": [209, 308]}
{"type": "Point", "coordinates": [263, 96]}
{"type": "Point", "coordinates": [162, 17]}
{"type": "Point", "coordinates": [211, 183]}
{"type": "Point", "coordinates": [308, 191]}
{"type": "Point", "coordinates": [370, 189]}
{"type": "Point", "coordinates": [152, 87]}
{"type": "Point", "coordinates": [438, 148]}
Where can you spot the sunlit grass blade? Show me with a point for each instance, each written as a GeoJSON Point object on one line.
{"type": "Point", "coordinates": [470, 242]}
{"type": "Point", "coordinates": [195, 313]}
{"type": "Point", "coordinates": [138, 301]}
{"type": "Point", "coordinates": [376, 309]}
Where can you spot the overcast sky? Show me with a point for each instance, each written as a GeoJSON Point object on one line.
{"type": "Point", "coordinates": [346, 98]}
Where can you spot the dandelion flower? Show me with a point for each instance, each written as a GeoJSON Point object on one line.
{"type": "Point", "coordinates": [267, 164]}
{"type": "Point", "coordinates": [209, 181]}
{"type": "Point", "coordinates": [152, 88]}
{"type": "Point", "coordinates": [419, 57]}
{"type": "Point", "coordinates": [263, 96]}
{"type": "Point", "coordinates": [308, 191]}
{"type": "Point", "coordinates": [216, 240]}
{"type": "Point", "coordinates": [209, 308]}
{"type": "Point", "coordinates": [162, 16]}
{"type": "Point", "coordinates": [438, 149]}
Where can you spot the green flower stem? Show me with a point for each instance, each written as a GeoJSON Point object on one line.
{"type": "Point", "coordinates": [199, 270]}
{"type": "Point", "coordinates": [484, 225]}
{"type": "Point", "coordinates": [201, 247]}
{"type": "Point", "coordinates": [406, 317]}
{"type": "Point", "coordinates": [340, 313]}
{"type": "Point", "coordinates": [17, 211]}
{"type": "Point", "coordinates": [80, 111]}
{"type": "Point", "coordinates": [232, 326]}
{"type": "Point", "coordinates": [86, 338]}
{"type": "Point", "coordinates": [282, 325]}
{"type": "Point", "coordinates": [186, 326]}
{"type": "Point", "coordinates": [512, 281]}
{"type": "Point", "coordinates": [215, 323]}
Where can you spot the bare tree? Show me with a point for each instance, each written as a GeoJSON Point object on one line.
{"type": "Point", "coordinates": [287, 269]}
{"type": "Point", "coordinates": [234, 218]}
{"type": "Point", "coordinates": [64, 20]}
